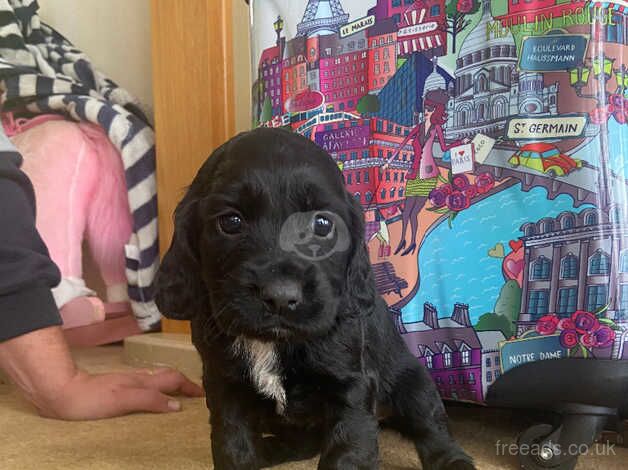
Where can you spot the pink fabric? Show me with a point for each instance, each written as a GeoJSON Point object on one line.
{"type": "Point", "coordinates": [13, 126]}
{"type": "Point", "coordinates": [81, 193]}
{"type": "Point", "coordinates": [82, 311]}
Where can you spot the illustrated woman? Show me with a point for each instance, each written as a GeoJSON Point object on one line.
{"type": "Point", "coordinates": [423, 175]}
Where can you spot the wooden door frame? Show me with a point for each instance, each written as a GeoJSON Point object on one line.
{"type": "Point", "coordinates": [194, 98]}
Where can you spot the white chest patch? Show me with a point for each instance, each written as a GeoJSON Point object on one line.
{"type": "Point", "coordinates": [264, 369]}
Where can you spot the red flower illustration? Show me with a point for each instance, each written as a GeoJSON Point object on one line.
{"type": "Point", "coordinates": [588, 340]}
{"type": "Point", "coordinates": [585, 322]}
{"type": "Point", "coordinates": [484, 182]}
{"type": "Point", "coordinates": [460, 182]}
{"type": "Point", "coordinates": [457, 201]}
{"type": "Point", "coordinates": [447, 188]}
{"type": "Point", "coordinates": [569, 338]}
{"type": "Point", "coordinates": [547, 324]}
{"type": "Point", "coordinates": [438, 197]}
{"type": "Point", "coordinates": [616, 101]}
{"type": "Point", "coordinates": [464, 6]}
{"type": "Point", "coordinates": [471, 191]}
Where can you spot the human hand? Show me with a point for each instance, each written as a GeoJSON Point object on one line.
{"type": "Point", "coordinates": [40, 364]}
{"type": "Point", "coordinates": [87, 397]}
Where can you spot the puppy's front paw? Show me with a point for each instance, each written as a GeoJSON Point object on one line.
{"type": "Point", "coordinates": [347, 463]}
{"type": "Point", "coordinates": [460, 464]}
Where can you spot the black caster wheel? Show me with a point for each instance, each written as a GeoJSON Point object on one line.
{"type": "Point", "coordinates": [536, 452]}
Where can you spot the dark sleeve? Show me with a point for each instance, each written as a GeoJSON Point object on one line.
{"type": "Point", "coordinates": [26, 271]}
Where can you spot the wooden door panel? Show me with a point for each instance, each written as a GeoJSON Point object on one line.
{"type": "Point", "coordinates": [193, 96]}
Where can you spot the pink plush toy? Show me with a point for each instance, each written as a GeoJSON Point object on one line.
{"type": "Point", "coordinates": [81, 194]}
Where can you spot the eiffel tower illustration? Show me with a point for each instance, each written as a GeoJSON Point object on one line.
{"type": "Point", "coordinates": [322, 17]}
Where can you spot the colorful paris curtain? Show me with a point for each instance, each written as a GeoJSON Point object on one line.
{"type": "Point", "coordinates": [486, 141]}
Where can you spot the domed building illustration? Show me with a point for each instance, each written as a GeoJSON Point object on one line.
{"type": "Point", "coordinates": [434, 81]}
{"type": "Point", "coordinates": [488, 89]}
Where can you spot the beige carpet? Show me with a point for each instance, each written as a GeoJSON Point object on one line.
{"type": "Point", "coordinates": [181, 440]}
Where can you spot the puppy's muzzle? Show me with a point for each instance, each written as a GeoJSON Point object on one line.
{"type": "Point", "coordinates": [282, 295]}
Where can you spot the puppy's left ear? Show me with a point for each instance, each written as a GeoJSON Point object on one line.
{"type": "Point", "coordinates": [360, 287]}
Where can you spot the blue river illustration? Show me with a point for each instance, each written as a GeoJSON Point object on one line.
{"type": "Point", "coordinates": [454, 265]}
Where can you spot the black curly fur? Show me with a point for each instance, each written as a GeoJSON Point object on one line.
{"type": "Point", "coordinates": [340, 354]}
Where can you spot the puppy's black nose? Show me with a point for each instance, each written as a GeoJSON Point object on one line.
{"type": "Point", "coordinates": [282, 294]}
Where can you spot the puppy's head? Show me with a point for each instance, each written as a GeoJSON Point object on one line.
{"type": "Point", "coordinates": [268, 244]}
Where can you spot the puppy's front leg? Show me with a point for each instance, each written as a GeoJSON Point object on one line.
{"type": "Point", "coordinates": [232, 434]}
{"type": "Point", "coordinates": [350, 442]}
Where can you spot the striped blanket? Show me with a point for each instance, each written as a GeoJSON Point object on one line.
{"type": "Point", "coordinates": [42, 72]}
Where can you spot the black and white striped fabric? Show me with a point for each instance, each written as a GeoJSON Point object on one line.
{"type": "Point", "coordinates": [42, 72]}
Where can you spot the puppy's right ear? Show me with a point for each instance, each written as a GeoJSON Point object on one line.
{"type": "Point", "coordinates": [179, 285]}
{"type": "Point", "coordinates": [180, 290]}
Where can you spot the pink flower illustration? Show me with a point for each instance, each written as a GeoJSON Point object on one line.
{"type": "Point", "coordinates": [604, 336]}
{"type": "Point", "coordinates": [566, 324]}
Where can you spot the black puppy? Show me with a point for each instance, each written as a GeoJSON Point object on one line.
{"type": "Point", "coordinates": [299, 352]}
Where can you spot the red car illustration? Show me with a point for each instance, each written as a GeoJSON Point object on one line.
{"type": "Point", "coordinates": [545, 158]}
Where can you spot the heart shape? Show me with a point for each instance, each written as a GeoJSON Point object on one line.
{"type": "Point", "coordinates": [515, 245]}
{"type": "Point", "coordinates": [497, 251]}
{"type": "Point", "coordinates": [514, 267]}
{"type": "Point", "coordinates": [461, 153]}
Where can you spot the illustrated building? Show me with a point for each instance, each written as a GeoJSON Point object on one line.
{"type": "Point", "coordinates": [270, 75]}
{"type": "Point", "coordinates": [401, 100]}
{"type": "Point", "coordinates": [362, 146]}
{"type": "Point", "coordinates": [491, 366]}
{"type": "Point", "coordinates": [488, 89]}
{"type": "Point", "coordinates": [386, 138]}
{"type": "Point", "coordinates": [390, 9]}
{"type": "Point", "coordinates": [576, 261]}
{"type": "Point", "coordinates": [421, 24]}
{"type": "Point", "coordinates": [294, 69]}
{"type": "Point", "coordinates": [423, 29]}
{"type": "Point", "coordinates": [382, 54]}
{"type": "Point", "coordinates": [434, 81]}
{"type": "Point", "coordinates": [343, 70]}
{"type": "Point", "coordinates": [451, 351]}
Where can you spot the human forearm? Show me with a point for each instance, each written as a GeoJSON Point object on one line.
{"type": "Point", "coordinates": [40, 364]}
{"type": "Point", "coordinates": [26, 271]}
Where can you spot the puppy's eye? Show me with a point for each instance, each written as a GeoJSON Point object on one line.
{"type": "Point", "coordinates": [322, 226]}
{"type": "Point", "coordinates": [231, 224]}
